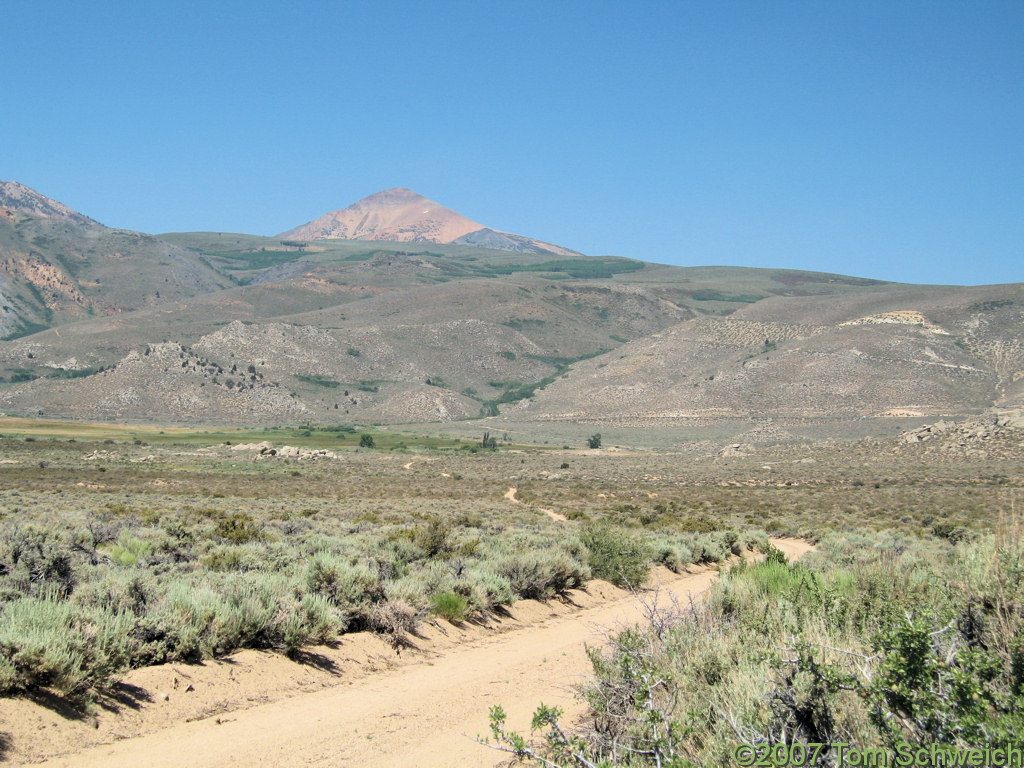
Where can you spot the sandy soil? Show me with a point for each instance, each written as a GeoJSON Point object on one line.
{"type": "Point", "coordinates": [556, 516]}
{"type": "Point", "coordinates": [359, 703]}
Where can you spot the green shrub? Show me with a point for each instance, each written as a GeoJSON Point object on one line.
{"type": "Point", "coordinates": [433, 537]}
{"type": "Point", "coordinates": [669, 557]}
{"type": "Point", "coordinates": [541, 574]}
{"type": "Point", "coordinates": [352, 588]}
{"type": "Point", "coordinates": [130, 551]}
{"type": "Point", "coordinates": [181, 626]}
{"type": "Point", "coordinates": [38, 562]}
{"type": "Point", "coordinates": [48, 642]}
{"type": "Point", "coordinates": [951, 532]}
{"type": "Point", "coordinates": [322, 622]}
{"type": "Point", "coordinates": [117, 591]}
{"type": "Point", "coordinates": [244, 618]}
{"type": "Point", "coordinates": [407, 589]}
{"type": "Point", "coordinates": [437, 576]}
{"type": "Point", "coordinates": [698, 525]}
{"type": "Point", "coordinates": [238, 528]}
{"type": "Point", "coordinates": [495, 589]}
{"type": "Point", "coordinates": [312, 621]}
{"type": "Point", "coordinates": [616, 555]}
{"type": "Point", "coordinates": [709, 549]}
{"type": "Point", "coordinates": [449, 606]}
{"type": "Point", "coordinates": [773, 555]}
{"type": "Point", "coordinates": [223, 559]}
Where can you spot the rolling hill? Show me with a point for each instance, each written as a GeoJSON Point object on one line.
{"type": "Point", "coordinates": [58, 266]}
{"type": "Point", "coordinates": [222, 328]}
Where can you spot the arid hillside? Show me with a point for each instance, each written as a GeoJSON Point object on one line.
{"type": "Point", "coordinates": [228, 328]}
{"type": "Point", "coordinates": [903, 352]}
{"type": "Point", "coordinates": [58, 266]}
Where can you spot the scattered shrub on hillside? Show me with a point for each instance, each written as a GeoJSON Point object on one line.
{"type": "Point", "coordinates": [951, 532]}
{"type": "Point", "coordinates": [698, 525]}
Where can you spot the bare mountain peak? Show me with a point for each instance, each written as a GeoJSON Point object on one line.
{"type": "Point", "coordinates": [400, 214]}
{"type": "Point", "coordinates": [397, 197]}
{"type": "Point", "coordinates": [15, 196]}
{"type": "Point", "coordinates": [392, 196]}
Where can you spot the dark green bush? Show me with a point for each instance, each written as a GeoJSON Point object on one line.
{"type": "Point", "coordinates": [238, 528]}
{"type": "Point", "coordinates": [951, 532]}
{"type": "Point", "coordinates": [617, 555]}
{"type": "Point", "coordinates": [433, 537]}
{"type": "Point", "coordinates": [37, 562]}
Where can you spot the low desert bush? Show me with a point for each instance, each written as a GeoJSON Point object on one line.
{"type": "Point", "coordinates": [237, 528]}
{"type": "Point", "coordinates": [541, 574]}
{"type": "Point", "coordinates": [899, 642]}
{"type": "Point", "coordinates": [130, 551]}
{"type": "Point", "coordinates": [396, 619]}
{"type": "Point", "coordinates": [47, 642]}
{"type": "Point", "coordinates": [450, 606]}
{"type": "Point", "coordinates": [36, 562]}
{"type": "Point", "coordinates": [496, 589]}
{"type": "Point", "coordinates": [352, 588]}
{"type": "Point", "coordinates": [616, 555]}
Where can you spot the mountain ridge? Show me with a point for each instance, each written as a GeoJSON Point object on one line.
{"type": "Point", "coordinates": [17, 197]}
{"type": "Point", "coordinates": [222, 328]}
{"type": "Point", "coordinates": [57, 265]}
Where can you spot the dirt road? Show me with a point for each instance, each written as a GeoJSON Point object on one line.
{"type": "Point", "coordinates": [420, 715]}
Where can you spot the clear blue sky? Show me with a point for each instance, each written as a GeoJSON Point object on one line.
{"type": "Point", "coordinates": [883, 139]}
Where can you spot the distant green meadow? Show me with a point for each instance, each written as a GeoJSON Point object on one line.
{"type": "Point", "coordinates": [306, 436]}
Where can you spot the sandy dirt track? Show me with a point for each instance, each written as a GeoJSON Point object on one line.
{"type": "Point", "coordinates": [420, 714]}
